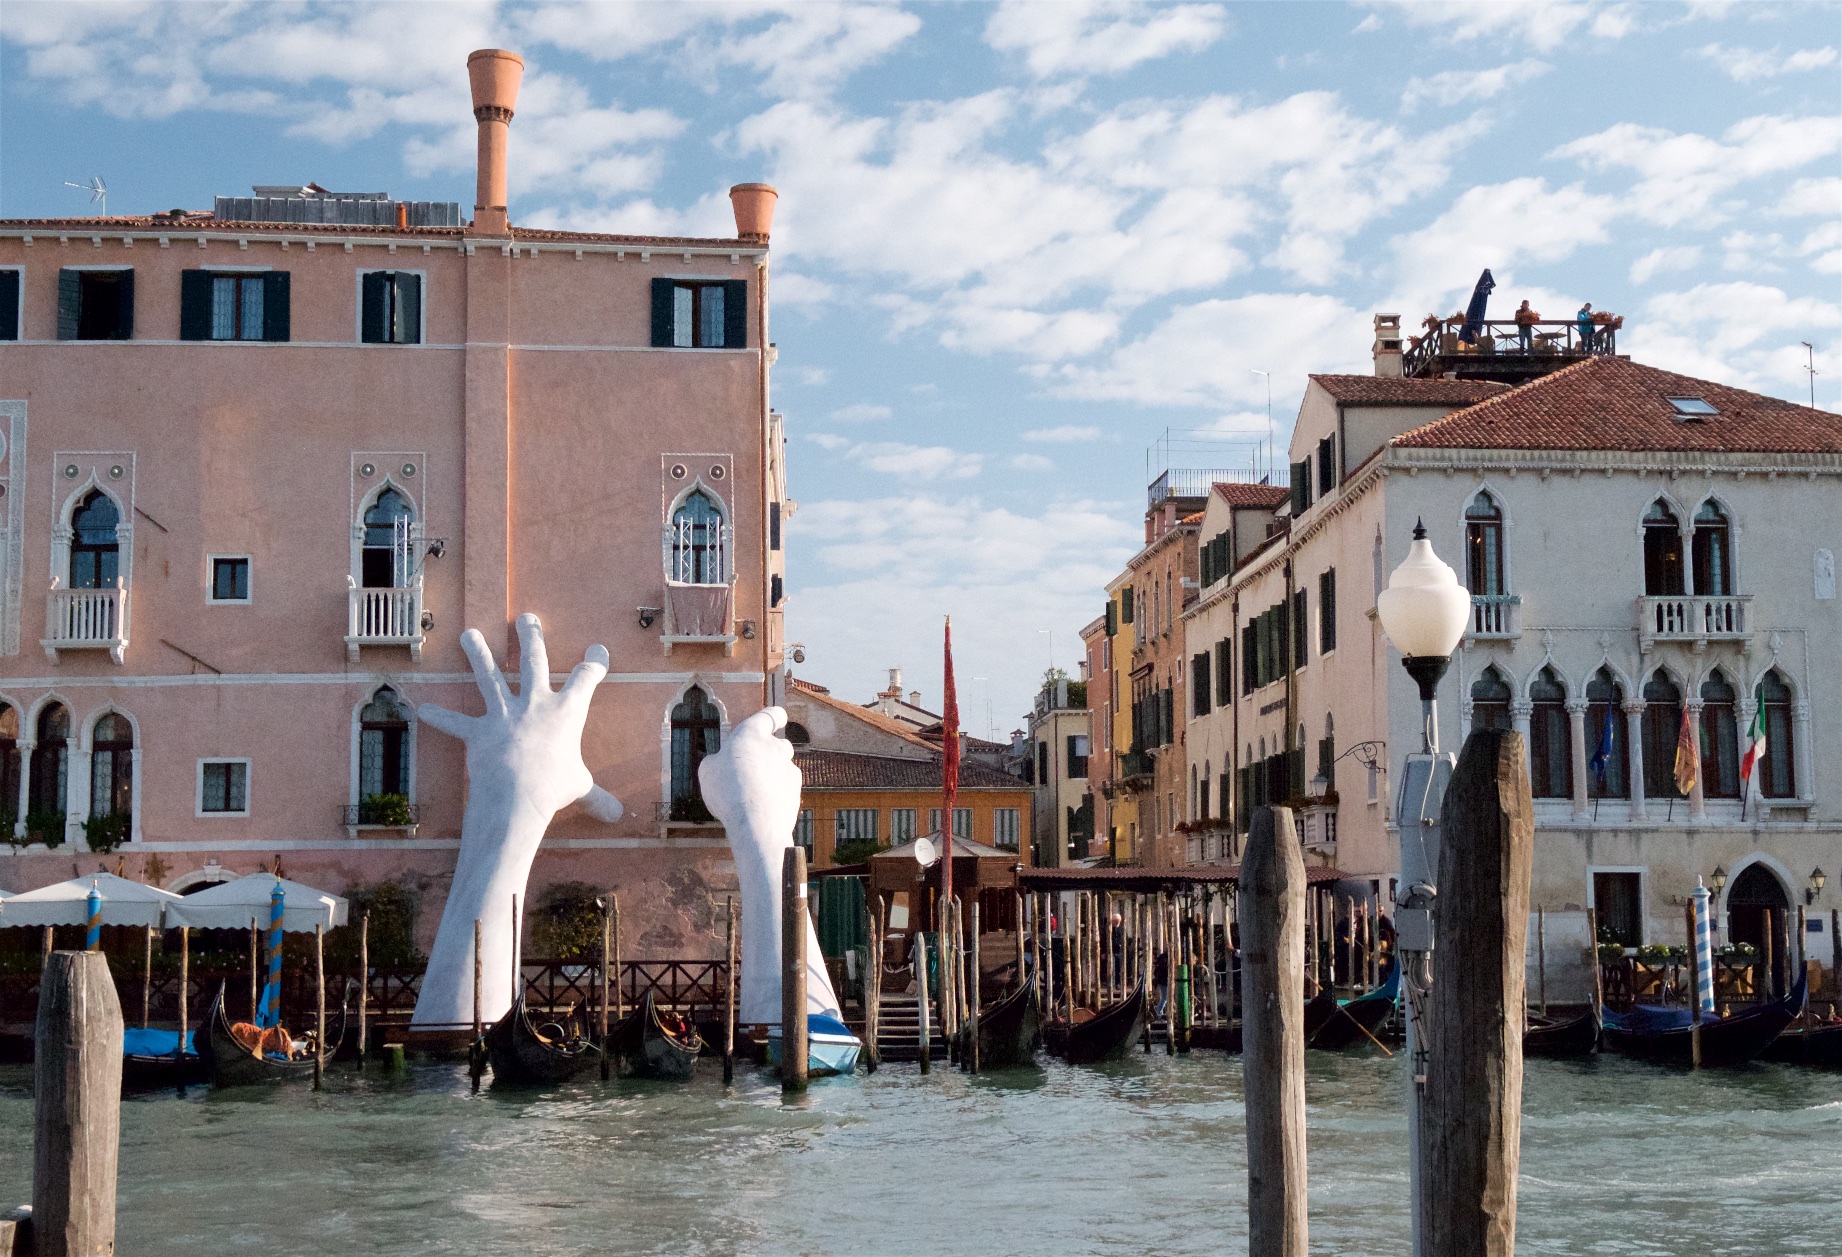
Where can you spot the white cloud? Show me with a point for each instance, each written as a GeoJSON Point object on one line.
{"type": "Point", "coordinates": [1064, 434]}
{"type": "Point", "coordinates": [1543, 25]}
{"type": "Point", "coordinates": [895, 458]}
{"type": "Point", "coordinates": [829, 441]}
{"type": "Point", "coordinates": [1100, 36]}
{"type": "Point", "coordinates": [790, 288]}
{"type": "Point", "coordinates": [1030, 462]}
{"type": "Point", "coordinates": [1453, 87]}
{"type": "Point", "coordinates": [1672, 258]}
{"type": "Point", "coordinates": [1810, 197]}
{"type": "Point", "coordinates": [1744, 65]}
{"type": "Point", "coordinates": [1739, 333]}
{"type": "Point", "coordinates": [859, 412]}
{"type": "Point", "coordinates": [812, 377]}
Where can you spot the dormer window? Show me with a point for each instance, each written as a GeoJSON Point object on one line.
{"type": "Point", "coordinates": [1692, 408]}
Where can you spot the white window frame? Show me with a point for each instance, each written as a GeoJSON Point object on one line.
{"type": "Point", "coordinates": [211, 598]}
{"type": "Point", "coordinates": [358, 306]}
{"type": "Point", "coordinates": [1643, 893]}
{"type": "Point", "coordinates": [198, 791]}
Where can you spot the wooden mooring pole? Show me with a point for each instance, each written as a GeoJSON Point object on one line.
{"type": "Point", "coordinates": [729, 992]}
{"type": "Point", "coordinates": [620, 990]}
{"type": "Point", "coordinates": [926, 1044]}
{"type": "Point", "coordinates": [1273, 1040]}
{"type": "Point", "coordinates": [793, 927]}
{"type": "Point", "coordinates": [476, 1051]}
{"type": "Point", "coordinates": [147, 978]}
{"type": "Point", "coordinates": [255, 971]}
{"type": "Point", "coordinates": [364, 984]}
{"type": "Point", "coordinates": [973, 992]}
{"type": "Point", "coordinates": [77, 1080]}
{"type": "Point", "coordinates": [607, 953]}
{"type": "Point", "coordinates": [873, 992]}
{"type": "Point", "coordinates": [1472, 1134]}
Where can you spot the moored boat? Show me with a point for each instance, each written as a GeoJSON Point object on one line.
{"type": "Point", "coordinates": [1104, 1035]}
{"type": "Point", "coordinates": [1562, 1038]}
{"type": "Point", "coordinates": [526, 1053]}
{"type": "Point", "coordinates": [1818, 1045]}
{"type": "Point", "coordinates": [1356, 1021]}
{"type": "Point", "coordinates": [1009, 1029]}
{"type": "Point", "coordinates": [652, 1043]}
{"type": "Point", "coordinates": [150, 1060]}
{"type": "Point", "coordinates": [1664, 1034]}
{"type": "Point", "coordinates": [831, 1048]}
{"type": "Point", "coordinates": [229, 1061]}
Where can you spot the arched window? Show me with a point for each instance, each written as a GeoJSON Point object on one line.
{"type": "Point", "coordinates": [95, 556]}
{"type": "Point", "coordinates": [1662, 727]}
{"type": "Point", "coordinates": [1490, 700]}
{"type": "Point", "coordinates": [697, 541]}
{"type": "Point", "coordinates": [1713, 562]}
{"type": "Point", "coordinates": [1605, 734]}
{"type": "Point", "coordinates": [9, 769]}
{"type": "Point", "coordinates": [697, 731]}
{"type": "Point", "coordinates": [1777, 780]}
{"type": "Point", "coordinates": [1662, 552]}
{"type": "Point", "coordinates": [1327, 754]}
{"type": "Point", "coordinates": [112, 766]}
{"type": "Point", "coordinates": [1550, 738]}
{"type": "Point", "coordinates": [386, 559]}
{"type": "Point", "coordinates": [1720, 741]}
{"type": "Point", "coordinates": [383, 747]}
{"type": "Point", "coordinates": [1484, 545]}
{"type": "Point", "coordinates": [1202, 810]}
{"type": "Point", "coordinates": [797, 734]}
{"type": "Point", "coordinates": [51, 762]}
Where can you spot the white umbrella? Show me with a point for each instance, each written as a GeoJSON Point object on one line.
{"type": "Point", "coordinates": [67, 903]}
{"type": "Point", "coordinates": [233, 905]}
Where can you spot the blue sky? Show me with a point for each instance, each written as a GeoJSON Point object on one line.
{"type": "Point", "coordinates": [1016, 243]}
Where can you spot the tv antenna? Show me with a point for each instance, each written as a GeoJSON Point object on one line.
{"type": "Point", "coordinates": [1810, 367]}
{"type": "Point", "coordinates": [98, 190]}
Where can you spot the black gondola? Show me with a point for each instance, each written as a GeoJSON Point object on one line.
{"type": "Point", "coordinates": [149, 1062]}
{"type": "Point", "coordinates": [652, 1044]}
{"type": "Point", "coordinates": [1319, 1009]}
{"type": "Point", "coordinates": [1104, 1035]}
{"type": "Point", "coordinates": [541, 1054]}
{"type": "Point", "coordinates": [1357, 1021]}
{"type": "Point", "coordinates": [227, 1062]}
{"type": "Point", "coordinates": [1562, 1038]}
{"type": "Point", "coordinates": [1663, 1034]}
{"type": "Point", "coordinates": [1818, 1045]}
{"type": "Point", "coordinates": [1010, 1029]}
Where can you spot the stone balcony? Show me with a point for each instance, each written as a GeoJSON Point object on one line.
{"type": "Point", "coordinates": [86, 619]}
{"type": "Point", "coordinates": [1693, 619]}
{"type": "Point", "coordinates": [384, 617]}
{"type": "Point", "coordinates": [1494, 617]}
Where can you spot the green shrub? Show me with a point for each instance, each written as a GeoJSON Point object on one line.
{"type": "Point", "coordinates": [566, 923]}
{"type": "Point", "coordinates": [46, 826]}
{"type": "Point", "coordinates": [385, 809]}
{"type": "Point", "coordinates": [856, 851]}
{"type": "Point", "coordinates": [105, 833]}
{"type": "Point", "coordinates": [391, 936]}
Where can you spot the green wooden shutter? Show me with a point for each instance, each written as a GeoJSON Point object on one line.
{"type": "Point", "coordinates": [195, 305]}
{"type": "Point", "coordinates": [1301, 629]}
{"type": "Point", "coordinates": [1327, 610]}
{"type": "Point", "coordinates": [409, 309]}
{"type": "Point", "coordinates": [277, 320]}
{"type": "Point", "coordinates": [735, 314]}
{"type": "Point", "coordinates": [1125, 605]}
{"type": "Point", "coordinates": [9, 305]}
{"type": "Point", "coordinates": [1112, 618]}
{"type": "Point", "coordinates": [662, 313]}
{"type": "Point", "coordinates": [70, 303]}
{"type": "Point", "coordinates": [371, 318]}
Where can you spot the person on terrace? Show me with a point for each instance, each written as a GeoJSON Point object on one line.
{"type": "Point", "coordinates": [1526, 319]}
{"type": "Point", "coordinates": [1585, 320]}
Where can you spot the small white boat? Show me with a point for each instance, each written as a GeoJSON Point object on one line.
{"type": "Point", "coordinates": [830, 1047]}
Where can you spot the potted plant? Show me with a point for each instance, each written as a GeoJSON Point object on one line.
{"type": "Point", "coordinates": [386, 809]}
{"type": "Point", "coordinates": [105, 833]}
{"type": "Point", "coordinates": [45, 825]}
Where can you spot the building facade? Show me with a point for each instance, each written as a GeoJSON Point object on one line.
{"type": "Point", "coordinates": [264, 464]}
{"type": "Point", "coordinates": [1059, 748]}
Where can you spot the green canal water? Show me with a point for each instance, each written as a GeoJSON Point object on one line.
{"type": "Point", "coordinates": [1144, 1156]}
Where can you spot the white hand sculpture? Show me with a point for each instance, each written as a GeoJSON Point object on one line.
{"type": "Point", "coordinates": [753, 787]}
{"type": "Point", "coordinates": [524, 765]}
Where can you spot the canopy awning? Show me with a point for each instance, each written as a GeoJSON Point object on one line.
{"type": "Point", "coordinates": [233, 905]}
{"type": "Point", "coordinates": [67, 903]}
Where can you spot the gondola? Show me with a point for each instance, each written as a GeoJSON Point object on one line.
{"type": "Point", "coordinates": [150, 1064]}
{"type": "Point", "coordinates": [1106, 1034]}
{"type": "Point", "coordinates": [538, 1054]}
{"type": "Point", "coordinates": [229, 1063]}
{"type": "Point", "coordinates": [1562, 1038]}
{"type": "Point", "coordinates": [649, 1043]}
{"type": "Point", "coordinates": [1663, 1034]}
{"type": "Point", "coordinates": [1356, 1022]}
{"type": "Point", "coordinates": [1009, 1029]}
{"type": "Point", "coordinates": [1319, 1009]}
{"type": "Point", "coordinates": [1818, 1045]}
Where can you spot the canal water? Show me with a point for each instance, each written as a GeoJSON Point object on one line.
{"type": "Point", "coordinates": [1143, 1156]}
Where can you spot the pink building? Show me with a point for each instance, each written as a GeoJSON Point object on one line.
{"type": "Point", "coordinates": [244, 519]}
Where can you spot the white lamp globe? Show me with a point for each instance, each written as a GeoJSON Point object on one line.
{"type": "Point", "coordinates": [1424, 610]}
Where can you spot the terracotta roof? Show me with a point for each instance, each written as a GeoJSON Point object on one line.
{"type": "Point", "coordinates": [1195, 517]}
{"type": "Point", "coordinates": [1264, 496]}
{"type": "Point", "coordinates": [867, 715]}
{"type": "Point", "coordinates": [1610, 403]}
{"type": "Point", "coordinates": [849, 770]}
{"type": "Point", "coordinates": [204, 221]}
{"type": "Point", "coordinates": [1380, 390]}
{"type": "Point", "coordinates": [811, 687]}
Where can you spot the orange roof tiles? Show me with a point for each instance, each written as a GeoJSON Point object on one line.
{"type": "Point", "coordinates": [1612, 403]}
{"type": "Point", "coordinates": [205, 221]}
{"type": "Point", "coordinates": [1265, 496]}
{"type": "Point", "coordinates": [851, 770]}
{"type": "Point", "coordinates": [1378, 390]}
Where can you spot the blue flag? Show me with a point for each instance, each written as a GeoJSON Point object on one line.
{"type": "Point", "coordinates": [1602, 755]}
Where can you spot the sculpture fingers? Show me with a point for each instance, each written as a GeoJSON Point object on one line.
{"type": "Point", "coordinates": [585, 676]}
{"type": "Point", "coordinates": [452, 723]}
{"type": "Point", "coordinates": [601, 805]}
{"type": "Point", "coordinates": [533, 657]}
{"type": "Point", "coordinates": [763, 724]}
{"type": "Point", "coordinates": [486, 673]}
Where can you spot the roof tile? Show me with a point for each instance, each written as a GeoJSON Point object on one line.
{"type": "Point", "coordinates": [850, 770]}
{"type": "Point", "coordinates": [1264, 496]}
{"type": "Point", "coordinates": [1381, 390]}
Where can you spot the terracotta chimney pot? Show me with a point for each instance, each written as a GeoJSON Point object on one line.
{"type": "Point", "coordinates": [494, 75]}
{"type": "Point", "coordinates": [754, 207]}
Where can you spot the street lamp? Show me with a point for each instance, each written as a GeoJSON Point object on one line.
{"type": "Point", "coordinates": [1717, 879]}
{"type": "Point", "coordinates": [1424, 612]}
{"type": "Point", "coordinates": [1817, 878]}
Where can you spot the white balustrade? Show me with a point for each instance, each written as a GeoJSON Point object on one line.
{"type": "Point", "coordinates": [384, 617]}
{"type": "Point", "coordinates": [77, 619]}
{"type": "Point", "coordinates": [1694, 618]}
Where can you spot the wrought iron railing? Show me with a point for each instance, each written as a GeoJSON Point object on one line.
{"type": "Point", "coordinates": [392, 814]}
{"type": "Point", "coordinates": [1548, 339]}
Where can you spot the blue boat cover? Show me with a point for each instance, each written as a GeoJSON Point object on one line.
{"type": "Point", "coordinates": [136, 1042]}
{"type": "Point", "coordinates": [819, 1023]}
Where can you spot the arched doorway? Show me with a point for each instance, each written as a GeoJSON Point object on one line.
{"type": "Point", "coordinates": [1758, 909]}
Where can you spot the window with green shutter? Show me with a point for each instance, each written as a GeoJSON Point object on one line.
{"type": "Point", "coordinates": [95, 305]}
{"type": "Point", "coordinates": [9, 304]}
{"type": "Point", "coordinates": [391, 309]}
{"type": "Point", "coordinates": [1327, 610]}
{"type": "Point", "coordinates": [699, 314]}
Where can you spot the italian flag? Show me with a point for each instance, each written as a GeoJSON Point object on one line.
{"type": "Point", "coordinates": [1756, 751]}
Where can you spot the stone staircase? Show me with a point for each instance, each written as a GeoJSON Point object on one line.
{"type": "Point", "coordinates": [898, 1033]}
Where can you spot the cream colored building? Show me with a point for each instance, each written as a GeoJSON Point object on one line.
{"type": "Point", "coordinates": [1059, 732]}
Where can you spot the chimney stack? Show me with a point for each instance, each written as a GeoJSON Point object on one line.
{"type": "Point", "coordinates": [754, 207]}
{"type": "Point", "coordinates": [1387, 347]}
{"type": "Point", "coordinates": [494, 75]}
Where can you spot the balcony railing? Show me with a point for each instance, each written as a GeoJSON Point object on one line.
{"type": "Point", "coordinates": [1196, 482]}
{"type": "Point", "coordinates": [1694, 618]}
{"type": "Point", "coordinates": [389, 814]}
{"type": "Point", "coordinates": [1551, 343]}
{"type": "Point", "coordinates": [699, 615]}
{"type": "Point", "coordinates": [384, 617]}
{"type": "Point", "coordinates": [86, 619]}
{"type": "Point", "coordinates": [1134, 764]}
{"type": "Point", "coordinates": [1494, 615]}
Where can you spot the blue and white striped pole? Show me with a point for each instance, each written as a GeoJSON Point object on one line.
{"type": "Point", "coordinates": [1704, 950]}
{"type": "Point", "coordinates": [93, 940]}
{"type": "Point", "coordinates": [271, 992]}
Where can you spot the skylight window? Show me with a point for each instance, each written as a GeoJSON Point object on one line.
{"type": "Point", "coordinates": [1692, 407]}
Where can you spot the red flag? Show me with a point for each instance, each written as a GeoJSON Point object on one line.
{"type": "Point", "coordinates": [949, 771]}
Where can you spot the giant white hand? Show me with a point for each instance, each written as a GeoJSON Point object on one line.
{"type": "Point", "coordinates": [524, 765]}
{"type": "Point", "coordinates": [752, 785]}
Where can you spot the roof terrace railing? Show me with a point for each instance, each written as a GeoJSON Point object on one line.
{"type": "Point", "coordinates": [1432, 352]}
{"type": "Point", "coordinates": [1195, 482]}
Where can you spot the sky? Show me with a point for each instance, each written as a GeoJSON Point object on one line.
{"type": "Point", "coordinates": [1018, 244]}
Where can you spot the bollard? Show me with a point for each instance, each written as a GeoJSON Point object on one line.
{"type": "Point", "coordinates": [78, 1082]}
{"type": "Point", "coordinates": [793, 928]}
{"type": "Point", "coordinates": [395, 1062]}
{"type": "Point", "coordinates": [1473, 1128]}
{"type": "Point", "coordinates": [1273, 1040]}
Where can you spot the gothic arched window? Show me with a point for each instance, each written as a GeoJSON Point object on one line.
{"type": "Point", "coordinates": [1484, 545]}
{"type": "Point", "coordinates": [383, 746]}
{"type": "Point", "coordinates": [1662, 552]}
{"type": "Point", "coordinates": [1550, 738]}
{"type": "Point", "coordinates": [112, 766]}
{"type": "Point", "coordinates": [1712, 556]}
{"type": "Point", "coordinates": [95, 554]}
{"type": "Point", "coordinates": [386, 559]}
{"type": "Point", "coordinates": [1605, 735]}
{"type": "Point", "coordinates": [1662, 727]}
{"type": "Point", "coordinates": [697, 731]}
{"type": "Point", "coordinates": [51, 761]}
{"type": "Point", "coordinates": [697, 541]}
{"type": "Point", "coordinates": [1490, 700]}
{"type": "Point", "coordinates": [1720, 741]}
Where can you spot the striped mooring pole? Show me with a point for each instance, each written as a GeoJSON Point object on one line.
{"type": "Point", "coordinates": [92, 941]}
{"type": "Point", "coordinates": [271, 991]}
{"type": "Point", "coordinates": [1704, 950]}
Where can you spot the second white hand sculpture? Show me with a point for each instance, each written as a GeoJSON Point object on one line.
{"type": "Point", "coordinates": [524, 765]}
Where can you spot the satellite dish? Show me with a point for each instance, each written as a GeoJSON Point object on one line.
{"type": "Point", "coordinates": [926, 854]}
